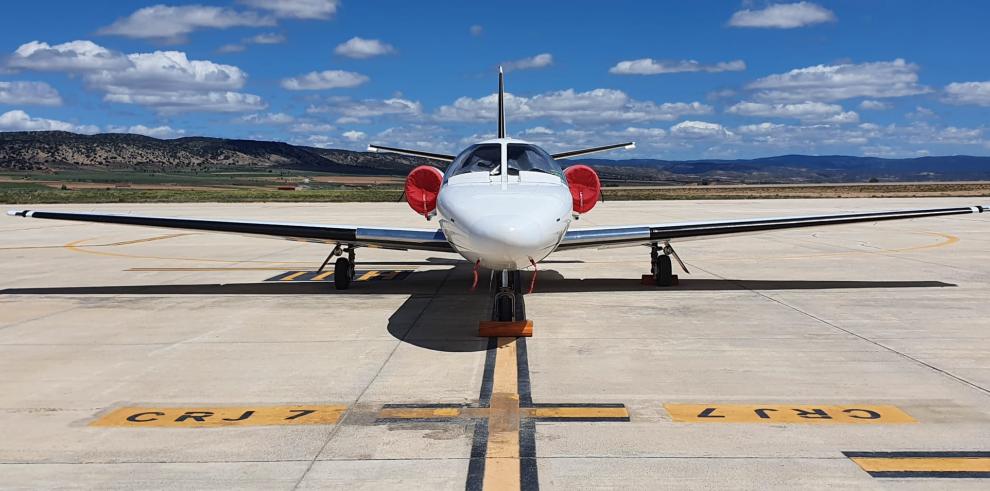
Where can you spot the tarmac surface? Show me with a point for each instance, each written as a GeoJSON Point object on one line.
{"type": "Point", "coordinates": [854, 356]}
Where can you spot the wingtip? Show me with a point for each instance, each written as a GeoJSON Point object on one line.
{"type": "Point", "coordinates": [15, 213]}
{"type": "Point", "coordinates": [372, 148]}
{"type": "Point", "coordinates": [630, 146]}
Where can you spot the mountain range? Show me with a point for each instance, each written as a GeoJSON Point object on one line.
{"type": "Point", "coordinates": [51, 151]}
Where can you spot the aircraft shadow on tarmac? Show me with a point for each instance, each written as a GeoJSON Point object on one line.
{"type": "Point", "coordinates": [442, 313]}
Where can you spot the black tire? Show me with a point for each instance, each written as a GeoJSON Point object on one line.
{"type": "Point", "coordinates": [342, 274]}
{"type": "Point", "coordinates": [663, 272]}
{"type": "Point", "coordinates": [504, 309]}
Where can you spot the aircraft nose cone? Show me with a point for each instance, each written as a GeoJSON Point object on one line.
{"type": "Point", "coordinates": [512, 232]}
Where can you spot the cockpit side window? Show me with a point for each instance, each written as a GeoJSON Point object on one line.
{"type": "Point", "coordinates": [530, 158]}
{"type": "Point", "coordinates": [484, 157]}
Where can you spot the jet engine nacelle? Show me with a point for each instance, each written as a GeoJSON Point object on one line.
{"type": "Point", "coordinates": [585, 187]}
{"type": "Point", "coordinates": [422, 188]}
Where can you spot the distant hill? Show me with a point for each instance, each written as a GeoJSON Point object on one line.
{"type": "Point", "coordinates": [58, 150]}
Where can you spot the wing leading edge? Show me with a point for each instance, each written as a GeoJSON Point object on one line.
{"type": "Point", "coordinates": [386, 238]}
{"type": "Point", "coordinates": [645, 234]}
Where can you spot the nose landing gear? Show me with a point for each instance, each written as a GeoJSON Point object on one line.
{"type": "Point", "coordinates": [507, 299]}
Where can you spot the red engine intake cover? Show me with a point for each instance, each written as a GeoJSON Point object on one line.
{"type": "Point", "coordinates": [585, 187]}
{"type": "Point", "coordinates": [422, 188]}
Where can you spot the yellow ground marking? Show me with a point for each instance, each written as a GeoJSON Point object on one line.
{"type": "Point", "coordinates": [205, 417]}
{"type": "Point", "coordinates": [368, 275]}
{"type": "Point", "coordinates": [294, 276]}
{"type": "Point", "coordinates": [949, 240]}
{"type": "Point", "coordinates": [502, 455]}
{"type": "Point", "coordinates": [322, 276]}
{"type": "Point", "coordinates": [78, 246]}
{"type": "Point", "coordinates": [419, 412]}
{"type": "Point", "coordinates": [111, 244]}
{"type": "Point", "coordinates": [576, 412]}
{"type": "Point", "coordinates": [923, 464]}
{"type": "Point", "coordinates": [787, 413]}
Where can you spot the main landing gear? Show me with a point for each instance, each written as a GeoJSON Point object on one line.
{"type": "Point", "coordinates": [507, 297]}
{"type": "Point", "coordinates": [343, 268]}
{"type": "Point", "coordinates": [662, 269]}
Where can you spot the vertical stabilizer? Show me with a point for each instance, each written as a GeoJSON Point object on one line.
{"type": "Point", "coordinates": [501, 103]}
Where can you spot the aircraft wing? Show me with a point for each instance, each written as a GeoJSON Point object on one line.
{"type": "Point", "coordinates": [646, 234]}
{"type": "Point", "coordinates": [386, 238]}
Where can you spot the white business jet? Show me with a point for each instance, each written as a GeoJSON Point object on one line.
{"type": "Point", "coordinates": [505, 205]}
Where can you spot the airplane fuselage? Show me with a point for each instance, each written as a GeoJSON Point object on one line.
{"type": "Point", "coordinates": [504, 217]}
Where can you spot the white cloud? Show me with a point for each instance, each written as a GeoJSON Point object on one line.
{"type": "Point", "coordinates": [168, 71]}
{"type": "Point", "coordinates": [476, 30]}
{"type": "Point", "coordinates": [358, 111]}
{"type": "Point", "coordinates": [361, 48]}
{"type": "Point", "coordinates": [649, 66]}
{"type": "Point", "coordinates": [921, 112]}
{"type": "Point", "coordinates": [168, 81]}
{"type": "Point", "coordinates": [759, 129]}
{"type": "Point", "coordinates": [541, 60]}
{"type": "Point", "coordinates": [879, 79]}
{"type": "Point", "coordinates": [298, 9]}
{"type": "Point", "coordinates": [783, 16]}
{"type": "Point", "coordinates": [187, 101]}
{"type": "Point", "coordinates": [328, 79]}
{"type": "Point", "coordinates": [354, 135]}
{"type": "Point", "coordinates": [267, 118]}
{"type": "Point", "coordinates": [154, 132]}
{"type": "Point", "coordinates": [968, 93]}
{"type": "Point", "coordinates": [593, 106]}
{"type": "Point", "coordinates": [319, 141]}
{"type": "Point", "coordinates": [538, 130]}
{"type": "Point", "coordinates": [73, 56]}
{"type": "Point", "coordinates": [29, 93]}
{"type": "Point", "coordinates": [231, 48]}
{"type": "Point", "coordinates": [805, 111]}
{"type": "Point", "coordinates": [311, 128]}
{"type": "Point", "coordinates": [173, 23]}
{"type": "Point", "coordinates": [695, 130]}
{"type": "Point", "coordinates": [18, 120]}
{"type": "Point", "coordinates": [872, 105]}
{"type": "Point", "coordinates": [266, 38]}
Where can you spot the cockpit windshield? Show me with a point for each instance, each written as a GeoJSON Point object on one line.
{"type": "Point", "coordinates": [530, 158]}
{"type": "Point", "coordinates": [486, 157]}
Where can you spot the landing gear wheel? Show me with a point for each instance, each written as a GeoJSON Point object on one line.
{"type": "Point", "coordinates": [504, 309]}
{"type": "Point", "coordinates": [343, 273]}
{"type": "Point", "coordinates": [663, 272]}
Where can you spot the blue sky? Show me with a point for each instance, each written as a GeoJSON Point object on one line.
{"type": "Point", "coordinates": [714, 79]}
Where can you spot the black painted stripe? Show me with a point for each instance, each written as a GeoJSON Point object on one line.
{"type": "Point", "coordinates": [921, 454]}
{"type": "Point", "coordinates": [525, 388]}
{"type": "Point", "coordinates": [479, 450]}
{"type": "Point", "coordinates": [931, 474]}
{"type": "Point", "coordinates": [488, 376]}
{"type": "Point", "coordinates": [272, 229]}
{"type": "Point", "coordinates": [418, 153]}
{"type": "Point", "coordinates": [529, 478]}
{"type": "Point", "coordinates": [701, 230]}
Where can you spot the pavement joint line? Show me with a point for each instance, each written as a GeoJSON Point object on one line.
{"type": "Point", "coordinates": [347, 412]}
{"type": "Point", "coordinates": [946, 373]}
